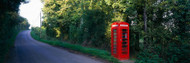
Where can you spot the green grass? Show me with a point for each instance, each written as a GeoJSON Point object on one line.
{"type": "Point", "coordinates": [91, 51]}
{"type": "Point", "coordinates": [5, 47]}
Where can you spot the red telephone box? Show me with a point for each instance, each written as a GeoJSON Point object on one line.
{"type": "Point", "coordinates": [120, 40]}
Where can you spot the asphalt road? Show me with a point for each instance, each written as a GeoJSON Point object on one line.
{"type": "Point", "coordinates": [28, 50]}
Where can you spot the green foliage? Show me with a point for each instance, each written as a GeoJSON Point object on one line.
{"type": "Point", "coordinates": [74, 20]}
{"type": "Point", "coordinates": [6, 46]}
{"type": "Point", "coordinates": [167, 35]}
{"type": "Point", "coordinates": [88, 22]}
{"type": "Point", "coordinates": [91, 51]}
{"type": "Point", "coordinates": [42, 33]}
{"type": "Point", "coordinates": [93, 27]}
{"type": "Point", "coordinates": [10, 24]}
{"type": "Point", "coordinates": [172, 53]}
{"type": "Point", "coordinates": [8, 31]}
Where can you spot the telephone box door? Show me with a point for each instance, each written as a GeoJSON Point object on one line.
{"type": "Point", "coordinates": [114, 39]}
{"type": "Point", "coordinates": [123, 51]}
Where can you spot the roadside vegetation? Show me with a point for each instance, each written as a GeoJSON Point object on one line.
{"type": "Point", "coordinates": [35, 33]}
{"type": "Point", "coordinates": [159, 29]}
{"type": "Point", "coordinates": [10, 25]}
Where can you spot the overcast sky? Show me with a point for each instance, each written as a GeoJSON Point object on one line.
{"type": "Point", "coordinates": [31, 11]}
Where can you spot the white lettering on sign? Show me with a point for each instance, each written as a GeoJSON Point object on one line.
{"type": "Point", "coordinates": [124, 25]}
{"type": "Point", "coordinates": [114, 25]}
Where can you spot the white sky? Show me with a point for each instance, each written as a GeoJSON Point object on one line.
{"type": "Point", "coordinates": [31, 11]}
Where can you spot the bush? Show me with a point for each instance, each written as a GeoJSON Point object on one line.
{"type": "Point", "coordinates": [173, 53]}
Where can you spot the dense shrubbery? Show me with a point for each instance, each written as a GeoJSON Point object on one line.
{"type": "Point", "coordinates": [173, 53]}
{"type": "Point", "coordinates": [87, 25]}
{"type": "Point", "coordinates": [10, 24]}
{"type": "Point", "coordinates": [42, 33]}
{"type": "Point", "coordinates": [92, 31]}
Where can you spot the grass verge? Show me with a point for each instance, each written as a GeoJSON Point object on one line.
{"type": "Point", "coordinates": [92, 51]}
{"type": "Point", "coordinates": [5, 47]}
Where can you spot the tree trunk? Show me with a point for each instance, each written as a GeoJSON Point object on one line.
{"type": "Point", "coordinates": [145, 24]}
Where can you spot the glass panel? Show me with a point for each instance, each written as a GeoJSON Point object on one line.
{"type": "Point", "coordinates": [124, 30]}
{"type": "Point", "coordinates": [124, 46]}
{"type": "Point", "coordinates": [115, 34]}
{"type": "Point", "coordinates": [124, 42]}
{"type": "Point", "coordinates": [114, 40]}
{"type": "Point", "coordinates": [114, 52]}
{"type": "Point", "coordinates": [114, 46]}
{"type": "Point", "coordinates": [124, 39]}
{"type": "Point", "coordinates": [124, 52]}
{"type": "Point", "coordinates": [114, 30]}
{"type": "Point", "coordinates": [124, 33]}
{"type": "Point", "coordinates": [123, 36]}
{"type": "Point", "coordinates": [124, 49]}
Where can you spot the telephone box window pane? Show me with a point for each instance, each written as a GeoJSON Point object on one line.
{"type": "Point", "coordinates": [124, 45]}
{"type": "Point", "coordinates": [115, 33]}
{"type": "Point", "coordinates": [114, 52]}
{"type": "Point", "coordinates": [124, 30]}
{"type": "Point", "coordinates": [124, 39]}
{"type": "Point", "coordinates": [124, 42]}
{"type": "Point", "coordinates": [124, 33]}
{"type": "Point", "coordinates": [114, 30]}
{"type": "Point", "coordinates": [114, 49]}
{"type": "Point", "coordinates": [124, 52]}
{"type": "Point", "coordinates": [115, 36]}
{"type": "Point", "coordinates": [114, 40]}
{"type": "Point", "coordinates": [124, 49]}
{"type": "Point", "coordinates": [114, 46]}
{"type": "Point", "coordinates": [123, 36]}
